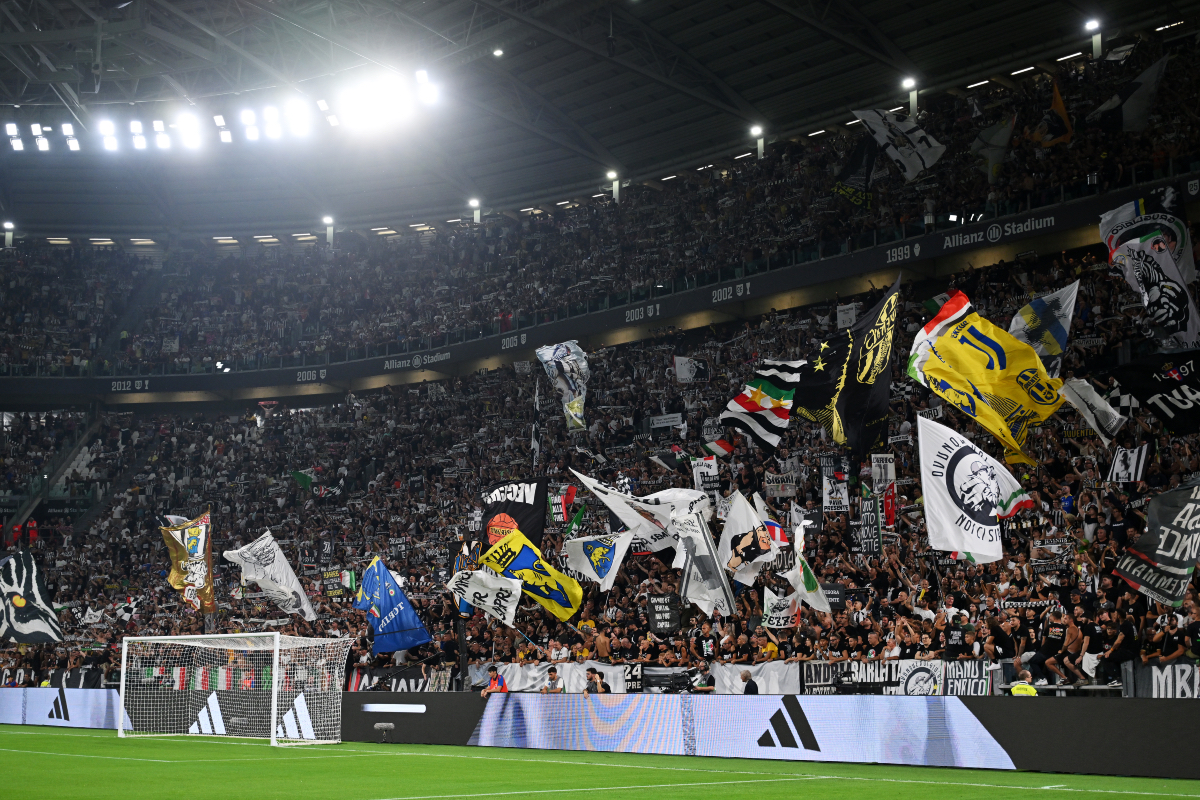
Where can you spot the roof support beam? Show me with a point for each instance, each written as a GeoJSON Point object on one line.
{"type": "Point", "coordinates": [904, 66]}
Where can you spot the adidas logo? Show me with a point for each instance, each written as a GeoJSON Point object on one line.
{"type": "Point", "coordinates": [209, 721]}
{"type": "Point", "coordinates": [59, 711]}
{"type": "Point", "coordinates": [296, 724]}
{"type": "Point", "coordinates": [779, 724]}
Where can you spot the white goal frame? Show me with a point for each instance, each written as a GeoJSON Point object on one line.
{"type": "Point", "coordinates": [272, 636]}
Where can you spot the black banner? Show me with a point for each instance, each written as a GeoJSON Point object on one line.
{"type": "Point", "coordinates": [967, 678]}
{"type": "Point", "coordinates": [835, 594]}
{"type": "Point", "coordinates": [430, 718]}
{"type": "Point", "coordinates": [1168, 385]}
{"type": "Point", "coordinates": [870, 533]}
{"type": "Point", "coordinates": [515, 505]}
{"type": "Point", "coordinates": [664, 614]}
{"type": "Point", "coordinates": [1160, 563]}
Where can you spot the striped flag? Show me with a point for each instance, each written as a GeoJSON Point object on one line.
{"type": "Point", "coordinates": [764, 407]}
{"type": "Point", "coordinates": [179, 678]}
{"type": "Point", "coordinates": [200, 678]}
{"type": "Point", "coordinates": [1128, 465]}
{"type": "Point", "coordinates": [719, 447]}
{"type": "Point", "coordinates": [560, 505]}
{"type": "Point", "coordinates": [224, 678]}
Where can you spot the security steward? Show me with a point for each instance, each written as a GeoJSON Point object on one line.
{"type": "Point", "coordinates": [1023, 687]}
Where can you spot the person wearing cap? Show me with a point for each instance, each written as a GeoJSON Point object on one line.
{"type": "Point", "coordinates": [495, 682]}
{"type": "Point", "coordinates": [1023, 687]}
{"type": "Point", "coordinates": [553, 682]}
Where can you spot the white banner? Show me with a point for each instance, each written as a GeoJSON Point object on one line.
{"type": "Point", "coordinates": [691, 370]}
{"type": "Point", "coordinates": [492, 594]}
{"type": "Point", "coordinates": [779, 485]}
{"type": "Point", "coordinates": [532, 677]}
{"type": "Point", "coordinates": [883, 470]}
{"type": "Point", "coordinates": [61, 708]}
{"type": "Point", "coordinates": [264, 562]}
{"type": "Point", "coordinates": [773, 677]}
{"type": "Point", "coordinates": [834, 494]}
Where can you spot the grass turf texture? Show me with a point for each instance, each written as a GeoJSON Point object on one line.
{"type": "Point", "coordinates": [56, 763]}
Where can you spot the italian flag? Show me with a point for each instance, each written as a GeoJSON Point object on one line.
{"type": "Point", "coordinates": [224, 678]}
{"type": "Point", "coordinates": [304, 478]}
{"type": "Point", "coordinates": [201, 678]}
{"type": "Point", "coordinates": [179, 678]}
{"type": "Point", "coordinates": [574, 523]}
{"type": "Point", "coordinates": [347, 579]}
{"type": "Point", "coordinates": [151, 673]}
{"type": "Point", "coordinates": [719, 448]}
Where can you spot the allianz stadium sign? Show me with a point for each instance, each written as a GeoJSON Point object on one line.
{"type": "Point", "coordinates": [435, 363]}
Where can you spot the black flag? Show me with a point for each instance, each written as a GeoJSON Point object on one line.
{"type": "Point", "coordinates": [845, 384]}
{"type": "Point", "coordinates": [1161, 562]}
{"type": "Point", "coordinates": [515, 505]}
{"type": "Point", "coordinates": [26, 613]}
{"type": "Point", "coordinates": [1168, 385]}
{"type": "Point", "coordinates": [854, 181]}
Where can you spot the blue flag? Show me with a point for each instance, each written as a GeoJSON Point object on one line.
{"type": "Point", "coordinates": [396, 624]}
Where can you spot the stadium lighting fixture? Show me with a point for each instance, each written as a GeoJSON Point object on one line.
{"type": "Point", "coordinates": [473, 202]}
{"type": "Point", "coordinates": [416, 224]}
{"type": "Point", "coordinates": [670, 177]}
{"type": "Point", "coordinates": [107, 128]}
{"type": "Point", "coordinates": [523, 210]}
{"type": "Point", "coordinates": [159, 126]}
{"type": "Point", "coordinates": [562, 202]}
{"type": "Point", "coordinates": [909, 83]}
{"type": "Point", "coordinates": [135, 127]}
{"type": "Point", "coordinates": [43, 143]}
{"type": "Point", "coordinates": [333, 120]}
{"type": "Point", "coordinates": [252, 133]}
{"type": "Point", "coordinates": [897, 108]}
{"type": "Point", "coordinates": [427, 92]}
{"type": "Point", "coordinates": [1023, 70]}
{"type": "Point", "coordinates": [8, 226]}
{"type": "Point", "coordinates": [139, 142]}
{"type": "Point", "coordinates": [12, 130]}
{"type": "Point", "coordinates": [271, 124]}
{"type": "Point", "coordinates": [68, 129]}
{"type": "Point", "coordinates": [327, 220]}
{"type": "Point", "coordinates": [497, 52]}
{"type": "Point", "coordinates": [853, 122]}
{"type": "Point", "coordinates": [817, 133]}
{"type": "Point", "coordinates": [110, 143]}
{"type": "Point", "coordinates": [190, 126]}
{"type": "Point", "coordinates": [248, 117]}
{"type": "Point", "coordinates": [1169, 25]}
{"type": "Point", "coordinates": [17, 144]}
{"type": "Point", "coordinates": [299, 118]}
{"type": "Point", "coordinates": [1092, 24]}
{"type": "Point", "coordinates": [743, 155]}
{"type": "Point", "coordinates": [599, 195]}
{"type": "Point", "coordinates": [954, 218]}
{"type": "Point", "coordinates": [611, 175]}
{"type": "Point", "coordinates": [73, 144]}
{"type": "Point", "coordinates": [756, 130]}
{"type": "Point", "coordinates": [321, 104]}
{"type": "Point", "coordinates": [1073, 55]}
{"type": "Point", "coordinates": [454, 220]}
{"type": "Point", "coordinates": [35, 129]}
{"type": "Point", "coordinates": [226, 136]}
{"type": "Point", "coordinates": [220, 120]}
{"type": "Point", "coordinates": [163, 141]}
{"type": "Point", "coordinates": [376, 104]}
{"type": "Point", "coordinates": [976, 85]}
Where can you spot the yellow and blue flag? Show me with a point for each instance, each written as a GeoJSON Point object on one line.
{"type": "Point", "coordinates": [514, 556]}
{"type": "Point", "coordinates": [394, 620]}
{"type": "Point", "coordinates": [985, 373]}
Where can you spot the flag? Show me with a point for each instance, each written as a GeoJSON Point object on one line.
{"type": "Point", "coordinates": [1119, 54]}
{"type": "Point", "coordinates": [835, 495]}
{"type": "Point", "coordinates": [870, 531]}
{"type": "Point", "coordinates": [648, 517]}
{"type": "Point", "coordinates": [762, 409]}
{"type": "Point", "coordinates": [598, 558]}
{"type": "Point", "coordinates": [264, 562]}
{"type": "Point", "coordinates": [535, 437]}
{"type": "Point", "coordinates": [1128, 465]}
{"type": "Point", "coordinates": [803, 580]}
{"type": "Point", "coordinates": [28, 611]}
{"type": "Point", "coordinates": [985, 373]}
{"type": "Point", "coordinates": [1151, 272]}
{"type": "Point", "coordinates": [854, 181]}
{"type": "Point", "coordinates": [966, 492]}
{"type": "Point", "coordinates": [718, 447]}
{"type": "Point", "coordinates": [746, 544]}
{"type": "Point", "coordinates": [346, 578]}
{"type": "Point", "coordinates": [1160, 212]}
{"type": "Point", "coordinates": [189, 546]}
{"type": "Point", "coordinates": [1099, 415]}
{"type": "Point", "coordinates": [466, 560]}
{"type": "Point", "coordinates": [674, 461]}
{"type": "Point", "coordinates": [515, 505]}
{"type": "Point", "coordinates": [575, 522]}
{"type": "Point", "coordinates": [1045, 323]}
{"type": "Point", "coordinates": [1055, 127]}
{"type": "Point", "coordinates": [395, 621]}
{"type": "Point", "coordinates": [779, 612]}
{"type": "Point", "coordinates": [1168, 384]}
{"type": "Point", "coordinates": [902, 140]}
{"type": "Point", "coordinates": [494, 595]}
{"type": "Point", "coordinates": [706, 476]}
{"type": "Point", "coordinates": [691, 370]}
{"type": "Point", "coordinates": [514, 556]}
{"type": "Point", "coordinates": [560, 504]}
{"type": "Point", "coordinates": [845, 387]}
{"type": "Point", "coordinates": [567, 366]}
{"type": "Point", "coordinates": [992, 144]}
{"type": "Point", "coordinates": [1129, 108]}
{"type": "Point", "coordinates": [1161, 562]}
{"type": "Point", "coordinates": [702, 579]}
{"type": "Point", "coordinates": [305, 477]}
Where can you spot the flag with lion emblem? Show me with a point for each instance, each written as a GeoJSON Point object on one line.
{"type": "Point", "coordinates": [598, 558]}
{"type": "Point", "coordinates": [966, 493]}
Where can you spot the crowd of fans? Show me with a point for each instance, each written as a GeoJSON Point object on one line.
{"type": "Point", "coordinates": [399, 471]}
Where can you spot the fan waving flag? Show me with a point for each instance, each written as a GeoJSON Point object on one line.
{"type": "Point", "coordinates": [985, 373]}
{"type": "Point", "coordinates": [762, 409]}
{"type": "Point", "coordinates": [396, 624]}
{"type": "Point", "coordinates": [189, 545]}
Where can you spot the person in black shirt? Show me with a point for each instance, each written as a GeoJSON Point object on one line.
{"type": "Point", "coordinates": [705, 682]}
{"type": "Point", "coordinates": [1171, 644]}
{"type": "Point", "coordinates": [1054, 634]}
{"type": "Point", "coordinates": [1093, 643]}
{"type": "Point", "coordinates": [751, 686]}
{"type": "Point", "coordinates": [704, 646]}
{"type": "Point", "coordinates": [1000, 645]}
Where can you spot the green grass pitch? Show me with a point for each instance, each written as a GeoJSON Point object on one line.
{"type": "Point", "coordinates": [68, 763]}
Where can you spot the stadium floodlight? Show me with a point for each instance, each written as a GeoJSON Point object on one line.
{"type": "Point", "coordinates": [35, 129]}
{"type": "Point", "coordinates": [190, 128]}
{"type": "Point", "coordinates": [427, 92]}
{"type": "Point", "coordinates": [817, 133]}
{"type": "Point", "coordinates": [248, 117]}
{"type": "Point", "coordinates": [1072, 55]}
{"type": "Point", "coordinates": [333, 120]}
{"type": "Point", "coordinates": [1092, 24]}
{"type": "Point", "coordinates": [68, 129]}
{"type": "Point", "coordinates": [497, 52]}
{"type": "Point", "coordinates": [473, 202]}
{"type": "Point", "coordinates": [43, 143]}
{"type": "Point", "coordinates": [110, 143]}
{"type": "Point", "coordinates": [756, 130]}
{"type": "Point", "coordinates": [159, 126]}
{"type": "Point", "coordinates": [226, 136]}
{"type": "Point", "coordinates": [252, 133]}
{"type": "Point", "coordinates": [299, 678]}
{"type": "Point", "coordinates": [1022, 70]}
{"type": "Point", "coordinates": [220, 120]}
{"type": "Point", "coordinates": [743, 155]}
{"type": "Point", "coordinates": [139, 142]}
{"type": "Point", "coordinates": [12, 130]}
{"type": "Point", "coordinates": [8, 226]}
{"type": "Point", "coordinates": [976, 85]}
{"type": "Point", "coordinates": [611, 175]}
{"type": "Point", "coordinates": [163, 141]}
{"type": "Point", "coordinates": [327, 220]}
{"type": "Point", "coordinates": [17, 144]}
{"type": "Point", "coordinates": [135, 127]}
{"type": "Point", "coordinates": [376, 104]}
{"type": "Point", "coordinates": [299, 117]}
{"type": "Point", "coordinates": [72, 144]}
{"type": "Point", "coordinates": [273, 130]}
{"type": "Point", "coordinates": [909, 83]}
{"type": "Point", "coordinates": [106, 127]}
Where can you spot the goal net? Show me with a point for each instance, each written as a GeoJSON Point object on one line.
{"type": "Point", "coordinates": [259, 685]}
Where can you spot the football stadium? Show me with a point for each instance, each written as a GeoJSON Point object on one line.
{"type": "Point", "coordinates": [432, 399]}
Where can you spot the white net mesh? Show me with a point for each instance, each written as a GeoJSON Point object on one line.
{"type": "Point", "coordinates": [224, 686]}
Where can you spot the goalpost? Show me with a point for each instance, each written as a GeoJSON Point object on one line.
{"type": "Point", "coordinates": [256, 685]}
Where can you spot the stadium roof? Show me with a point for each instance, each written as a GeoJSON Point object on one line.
{"type": "Point", "coordinates": [580, 88]}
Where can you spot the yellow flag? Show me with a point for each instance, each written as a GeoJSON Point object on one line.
{"type": "Point", "coordinates": [986, 373]}
{"type": "Point", "coordinates": [514, 556]}
{"type": "Point", "coordinates": [189, 545]}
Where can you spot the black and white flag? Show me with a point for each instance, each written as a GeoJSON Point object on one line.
{"type": "Point", "coordinates": [1129, 108]}
{"type": "Point", "coordinates": [691, 370]}
{"type": "Point", "coordinates": [1160, 564]}
{"type": "Point", "coordinates": [264, 562]}
{"type": "Point", "coordinates": [1128, 465]}
{"type": "Point", "coordinates": [27, 614]}
{"type": "Point", "coordinates": [913, 150]}
{"type": "Point", "coordinates": [703, 580]}
{"type": "Point", "coordinates": [492, 594]}
{"type": "Point", "coordinates": [1099, 415]}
